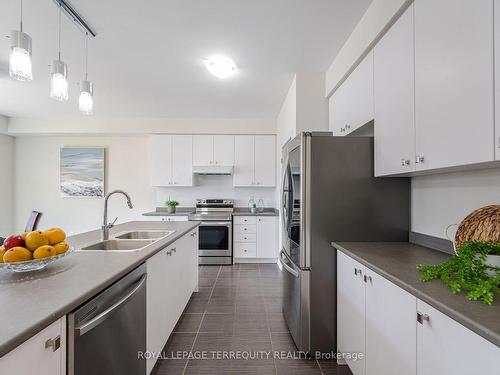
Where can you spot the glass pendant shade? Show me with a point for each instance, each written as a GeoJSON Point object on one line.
{"type": "Point", "coordinates": [59, 81]}
{"type": "Point", "coordinates": [86, 99]}
{"type": "Point", "coordinates": [20, 67]}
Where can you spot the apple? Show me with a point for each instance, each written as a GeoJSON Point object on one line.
{"type": "Point", "coordinates": [13, 241]}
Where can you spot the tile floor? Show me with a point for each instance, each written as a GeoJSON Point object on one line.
{"type": "Point", "coordinates": [237, 309]}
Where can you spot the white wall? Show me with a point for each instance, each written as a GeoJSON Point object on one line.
{"type": "Point", "coordinates": [3, 124]}
{"type": "Point", "coordinates": [37, 181]}
{"type": "Point", "coordinates": [6, 185]}
{"type": "Point", "coordinates": [374, 23]}
{"type": "Point", "coordinates": [215, 187]}
{"type": "Point", "coordinates": [441, 200]}
{"type": "Point", "coordinates": [127, 168]}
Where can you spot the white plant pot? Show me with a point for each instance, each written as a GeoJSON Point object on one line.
{"type": "Point", "coordinates": [171, 209]}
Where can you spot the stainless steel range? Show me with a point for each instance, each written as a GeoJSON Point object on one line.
{"type": "Point", "coordinates": [215, 243]}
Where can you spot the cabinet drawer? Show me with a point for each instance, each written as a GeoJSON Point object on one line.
{"type": "Point", "coordinates": [243, 220]}
{"type": "Point", "coordinates": [245, 229]}
{"type": "Point", "coordinates": [175, 218]}
{"type": "Point", "coordinates": [245, 250]}
{"type": "Point", "coordinates": [245, 237]}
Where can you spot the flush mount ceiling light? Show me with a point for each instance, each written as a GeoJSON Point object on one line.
{"type": "Point", "coordinates": [86, 99]}
{"type": "Point", "coordinates": [221, 66]}
{"type": "Point", "coordinates": [59, 73]}
{"type": "Point", "coordinates": [20, 67]}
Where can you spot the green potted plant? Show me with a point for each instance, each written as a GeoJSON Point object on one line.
{"type": "Point", "coordinates": [253, 207]}
{"type": "Point", "coordinates": [171, 205]}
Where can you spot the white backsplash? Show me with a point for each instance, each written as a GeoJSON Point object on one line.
{"type": "Point", "coordinates": [215, 187]}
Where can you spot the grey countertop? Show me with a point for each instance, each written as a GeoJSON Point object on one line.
{"type": "Point", "coordinates": [36, 299]}
{"type": "Point", "coordinates": [243, 211]}
{"type": "Point", "coordinates": [186, 211]}
{"type": "Point", "coordinates": [397, 262]}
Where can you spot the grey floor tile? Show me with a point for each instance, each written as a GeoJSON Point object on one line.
{"type": "Point", "coordinates": [224, 292]}
{"type": "Point", "coordinates": [283, 342]}
{"type": "Point", "coordinates": [188, 323]}
{"type": "Point", "coordinates": [253, 367]}
{"type": "Point", "coordinates": [331, 368]}
{"type": "Point", "coordinates": [297, 367]}
{"type": "Point", "coordinates": [245, 324]}
{"type": "Point", "coordinates": [221, 306]}
{"type": "Point", "coordinates": [178, 342]}
{"type": "Point", "coordinates": [208, 367]}
{"type": "Point", "coordinates": [218, 323]}
{"type": "Point", "coordinates": [169, 367]}
{"type": "Point", "coordinates": [196, 306]}
{"type": "Point", "coordinates": [251, 342]}
{"type": "Point", "coordinates": [210, 342]}
{"type": "Point", "coordinates": [276, 322]}
{"type": "Point", "coordinates": [248, 266]}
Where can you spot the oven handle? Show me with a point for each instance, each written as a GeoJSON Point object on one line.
{"type": "Point", "coordinates": [284, 261]}
{"type": "Point", "coordinates": [215, 223]}
{"type": "Point", "coordinates": [84, 328]}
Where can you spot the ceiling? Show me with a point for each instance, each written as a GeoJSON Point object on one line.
{"type": "Point", "coordinates": [147, 61]}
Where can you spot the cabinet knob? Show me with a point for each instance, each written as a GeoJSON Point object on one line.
{"type": "Point", "coordinates": [174, 249]}
{"type": "Point", "coordinates": [342, 130]}
{"type": "Point", "coordinates": [357, 272]}
{"type": "Point", "coordinates": [53, 343]}
{"type": "Point", "coordinates": [367, 278]}
{"type": "Point", "coordinates": [419, 159]}
{"type": "Point", "coordinates": [405, 162]}
{"type": "Point", "coordinates": [422, 317]}
{"type": "Point", "coordinates": [211, 162]}
{"type": "Point", "coordinates": [347, 126]}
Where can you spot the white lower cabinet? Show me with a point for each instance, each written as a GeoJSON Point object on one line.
{"type": "Point", "coordinates": [255, 237]}
{"type": "Point", "coordinates": [43, 354]}
{"type": "Point", "coordinates": [351, 311]}
{"type": "Point", "coordinates": [446, 347]}
{"type": "Point", "coordinates": [390, 328]}
{"type": "Point", "coordinates": [172, 278]}
{"type": "Point", "coordinates": [400, 334]}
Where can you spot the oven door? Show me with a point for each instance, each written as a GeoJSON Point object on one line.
{"type": "Point", "coordinates": [215, 238]}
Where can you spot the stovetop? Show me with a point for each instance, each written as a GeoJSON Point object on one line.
{"type": "Point", "coordinates": [213, 210]}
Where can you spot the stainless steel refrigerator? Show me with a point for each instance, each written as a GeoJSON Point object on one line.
{"type": "Point", "coordinates": [329, 194]}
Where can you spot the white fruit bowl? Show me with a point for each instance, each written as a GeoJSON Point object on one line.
{"type": "Point", "coordinates": [34, 264]}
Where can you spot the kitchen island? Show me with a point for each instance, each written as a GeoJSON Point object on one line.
{"type": "Point", "coordinates": [34, 300]}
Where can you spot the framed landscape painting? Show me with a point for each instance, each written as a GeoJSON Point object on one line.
{"type": "Point", "coordinates": [82, 172]}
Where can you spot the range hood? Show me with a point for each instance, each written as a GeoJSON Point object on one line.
{"type": "Point", "coordinates": [217, 170]}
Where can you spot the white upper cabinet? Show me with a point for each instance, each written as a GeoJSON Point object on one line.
{"type": "Point", "coordinates": [351, 105]}
{"type": "Point", "coordinates": [446, 347]}
{"type": "Point", "coordinates": [254, 160]}
{"type": "Point", "coordinates": [394, 99]}
{"type": "Point", "coordinates": [182, 160]}
{"type": "Point", "coordinates": [497, 82]}
{"type": "Point", "coordinates": [224, 150]}
{"type": "Point", "coordinates": [203, 150]}
{"type": "Point", "coordinates": [171, 160]}
{"type": "Point", "coordinates": [265, 160]}
{"type": "Point", "coordinates": [161, 160]}
{"type": "Point", "coordinates": [244, 155]}
{"type": "Point", "coordinates": [213, 150]}
{"type": "Point", "coordinates": [453, 82]}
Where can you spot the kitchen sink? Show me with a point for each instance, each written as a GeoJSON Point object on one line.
{"type": "Point", "coordinates": [119, 245]}
{"type": "Point", "coordinates": [144, 235]}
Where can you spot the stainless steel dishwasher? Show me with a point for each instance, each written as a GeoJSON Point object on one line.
{"type": "Point", "coordinates": [106, 334]}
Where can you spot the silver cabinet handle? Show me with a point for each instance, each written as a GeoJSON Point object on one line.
{"type": "Point", "coordinates": [367, 278]}
{"type": "Point", "coordinates": [193, 234]}
{"type": "Point", "coordinates": [174, 249]}
{"type": "Point", "coordinates": [53, 343]}
{"type": "Point", "coordinates": [419, 159]}
{"type": "Point", "coordinates": [342, 130]}
{"type": "Point", "coordinates": [80, 331]}
{"type": "Point", "coordinates": [422, 317]}
{"type": "Point", "coordinates": [356, 271]}
{"type": "Point", "coordinates": [347, 126]}
{"type": "Point", "coordinates": [405, 162]}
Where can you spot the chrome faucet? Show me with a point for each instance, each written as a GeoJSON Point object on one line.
{"type": "Point", "coordinates": [106, 227]}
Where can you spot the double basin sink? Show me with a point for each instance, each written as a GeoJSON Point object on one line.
{"type": "Point", "coordinates": [128, 241]}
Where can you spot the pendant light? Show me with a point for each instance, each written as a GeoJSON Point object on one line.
{"type": "Point", "coordinates": [20, 67]}
{"type": "Point", "coordinates": [86, 99]}
{"type": "Point", "coordinates": [59, 73]}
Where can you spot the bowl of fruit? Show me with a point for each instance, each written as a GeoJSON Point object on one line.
{"type": "Point", "coordinates": [32, 251]}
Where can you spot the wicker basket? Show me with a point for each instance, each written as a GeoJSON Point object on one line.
{"type": "Point", "coordinates": [481, 225]}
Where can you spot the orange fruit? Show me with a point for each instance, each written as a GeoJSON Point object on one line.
{"type": "Point", "coordinates": [55, 235]}
{"type": "Point", "coordinates": [61, 247]}
{"type": "Point", "coordinates": [17, 254]}
{"type": "Point", "coordinates": [36, 239]}
{"type": "Point", "coordinates": [3, 250]}
{"type": "Point", "coordinates": [44, 251]}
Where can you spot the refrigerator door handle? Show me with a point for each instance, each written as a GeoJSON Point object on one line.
{"type": "Point", "coordinates": [284, 262]}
